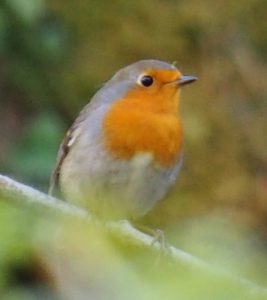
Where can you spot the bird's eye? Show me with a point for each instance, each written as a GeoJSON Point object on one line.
{"type": "Point", "coordinates": [146, 80]}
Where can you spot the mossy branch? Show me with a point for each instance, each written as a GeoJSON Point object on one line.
{"type": "Point", "coordinates": [20, 194]}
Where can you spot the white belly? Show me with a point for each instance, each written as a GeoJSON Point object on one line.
{"type": "Point", "coordinates": [115, 188]}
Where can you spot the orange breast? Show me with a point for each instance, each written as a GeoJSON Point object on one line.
{"type": "Point", "coordinates": [145, 123]}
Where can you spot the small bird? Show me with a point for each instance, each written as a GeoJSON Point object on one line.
{"type": "Point", "coordinates": [125, 149]}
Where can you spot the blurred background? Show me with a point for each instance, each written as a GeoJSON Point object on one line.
{"type": "Point", "coordinates": [55, 54]}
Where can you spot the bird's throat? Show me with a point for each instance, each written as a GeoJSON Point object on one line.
{"type": "Point", "coordinates": [129, 130]}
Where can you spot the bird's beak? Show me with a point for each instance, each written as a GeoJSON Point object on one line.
{"type": "Point", "coordinates": [183, 80]}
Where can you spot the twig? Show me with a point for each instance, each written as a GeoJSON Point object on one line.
{"type": "Point", "coordinates": [21, 194]}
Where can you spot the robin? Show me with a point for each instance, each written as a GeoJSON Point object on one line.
{"type": "Point", "coordinates": [124, 151]}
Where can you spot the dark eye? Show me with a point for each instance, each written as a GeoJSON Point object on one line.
{"type": "Point", "coordinates": [146, 80]}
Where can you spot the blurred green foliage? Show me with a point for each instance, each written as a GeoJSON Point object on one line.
{"type": "Point", "coordinates": [68, 259]}
{"type": "Point", "coordinates": [54, 55]}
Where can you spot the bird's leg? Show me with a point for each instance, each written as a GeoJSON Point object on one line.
{"type": "Point", "coordinates": [157, 234]}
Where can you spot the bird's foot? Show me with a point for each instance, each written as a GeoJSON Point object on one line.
{"type": "Point", "coordinates": [158, 237]}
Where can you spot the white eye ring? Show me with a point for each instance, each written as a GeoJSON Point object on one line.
{"type": "Point", "coordinates": [145, 80]}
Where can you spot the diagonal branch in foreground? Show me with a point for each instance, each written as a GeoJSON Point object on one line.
{"type": "Point", "coordinates": [20, 194]}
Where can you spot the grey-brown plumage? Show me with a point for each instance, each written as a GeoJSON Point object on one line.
{"type": "Point", "coordinates": [89, 175]}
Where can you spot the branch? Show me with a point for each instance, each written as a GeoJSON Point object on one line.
{"type": "Point", "coordinates": [21, 194]}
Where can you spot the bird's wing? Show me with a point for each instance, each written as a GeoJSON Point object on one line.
{"type": "Point", "coordinates": [97, 102]}
{"type": "Point", "coordinates": [64, 149]}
